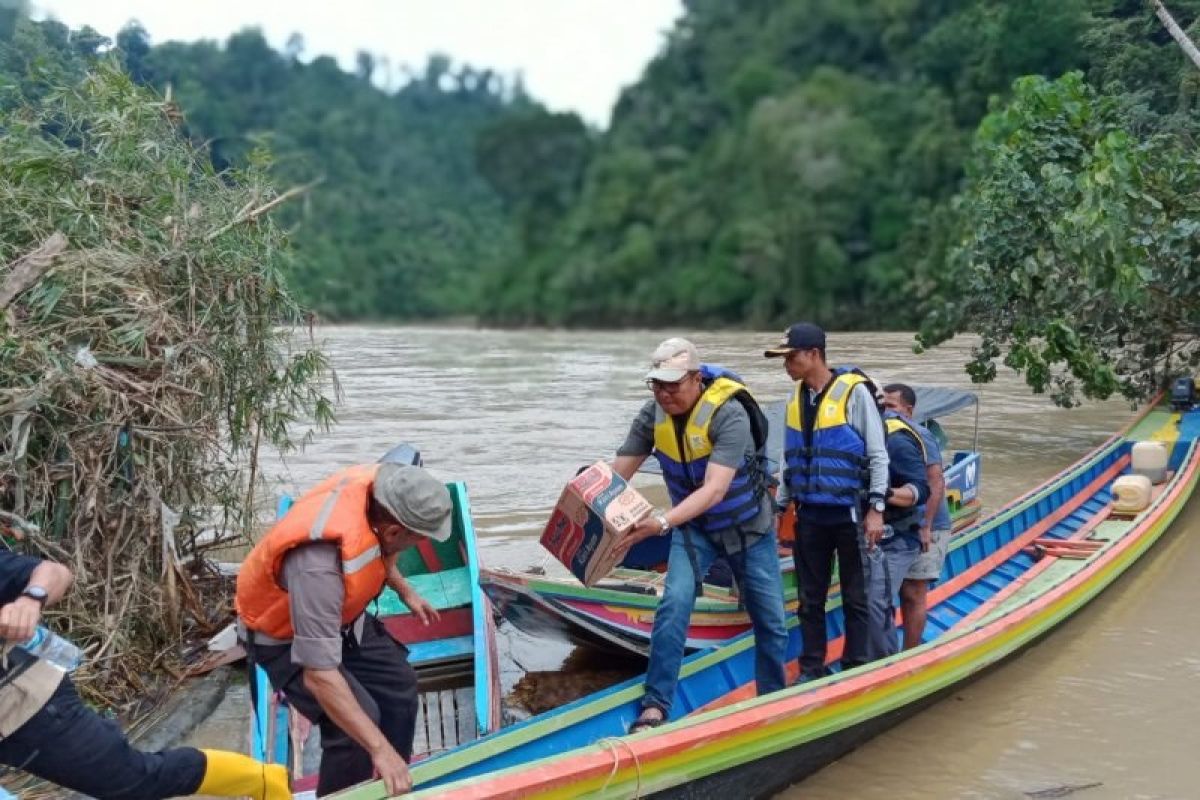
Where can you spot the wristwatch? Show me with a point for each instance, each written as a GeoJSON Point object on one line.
{"type": "Point", "coordinates": [663, 525]}
{"type": "Point", "coordinates": [877, 504]}
{"type": "Point", "coordinates": [36, 593]}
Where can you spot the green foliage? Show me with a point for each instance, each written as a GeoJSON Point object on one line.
{"type": "Point", "coordinates": [1077, 266]}
{"type": "Point", "coordinates": [777, 159]}
{"type": "Point", "coordinates": [401, 222]}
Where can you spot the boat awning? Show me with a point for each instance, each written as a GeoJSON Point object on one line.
{"type": "Point", "coordinates": [933, 402]}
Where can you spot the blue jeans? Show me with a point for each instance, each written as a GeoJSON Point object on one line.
{"type": "Point", "coordinates": [887, 566]}
{"type": "Point", "coordinates": [761, 587]}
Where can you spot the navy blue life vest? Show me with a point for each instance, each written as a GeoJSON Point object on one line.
{"type": "Point", "coordinates": [828, 468]}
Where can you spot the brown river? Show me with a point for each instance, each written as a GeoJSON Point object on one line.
{"type": "Point", "coordinates": [1108, 699]}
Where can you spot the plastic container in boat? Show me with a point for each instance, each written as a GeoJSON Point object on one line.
{"type": "Point", "coordinates": [1131, 493]}
{"type": "Point", "coordinates": [1150, 459]}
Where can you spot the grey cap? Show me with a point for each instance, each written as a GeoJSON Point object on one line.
{"type": "Point", "coordinates": [417, 500]}
{"type": "Point", "coordinates": [673, 359]}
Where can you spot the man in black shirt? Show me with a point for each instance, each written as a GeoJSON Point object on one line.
{"type": "Point", "coordinates": [45, 729]}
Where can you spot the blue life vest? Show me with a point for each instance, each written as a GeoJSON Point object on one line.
{"type": "Point", "coordinates": [904, 520]}
{"type": "Point", "coordinates": [684, 455]}
{"type": "Point", "coordinates": [830, 469]}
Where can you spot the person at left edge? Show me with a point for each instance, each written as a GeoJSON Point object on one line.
{"type": "Point", "coordinates": [302, 596]}
{"type": "Point", "coordinates": [47, 731]}
{"type": "Point", "coordinates": [699, 426]}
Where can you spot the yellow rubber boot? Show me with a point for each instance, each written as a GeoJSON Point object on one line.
{"type": "Point", "coordinates": [234, 775]}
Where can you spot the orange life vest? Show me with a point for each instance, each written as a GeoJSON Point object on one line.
{"type": "Point", "coordinates": [334, 511]}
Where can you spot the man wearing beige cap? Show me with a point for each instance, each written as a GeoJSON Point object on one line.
{"type": "Point", "coordinates": [302, 596]}
{"type": "Point", "coordinates": [708, 435]}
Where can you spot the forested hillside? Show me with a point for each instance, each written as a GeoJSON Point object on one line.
{"type": "Point", "coordinates": [399, 224]}
{"type": "Point", "coordinates": [796, 158]}
{"type": "Point", "coordinates": [778, 159]}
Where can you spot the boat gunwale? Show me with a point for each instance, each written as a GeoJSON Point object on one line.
{"type": "Point", "coordinates": [483, 633]}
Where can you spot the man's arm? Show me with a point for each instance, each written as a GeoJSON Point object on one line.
{"type": "Point", "coordinates": [20, 616]}
{"type": "Point", "coordinates": [730, 434]}
{"type": "Point", "coordinates": [731, 440]}
{"type": "Point", "coordinates": [54, 578]}
{"type": "Point", "coordinates": [908, 472]}
{"type": "Point", "coordinates": [937, 491]}
{"type": "Point", "coordinates": [863, 416]}
{"type": "Point", "coordinates": [331, 691]}
{"type": "Point", "coordinates": [627, 466]}
{"type": "Point", "coordinates": [638, 444]}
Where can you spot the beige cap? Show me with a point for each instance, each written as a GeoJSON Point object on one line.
{"type": "Point", "coordinates": [672, 360]}
{"type": "Point", "coordinates": [416, 499]}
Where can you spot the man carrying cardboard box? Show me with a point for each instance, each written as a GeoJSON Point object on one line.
{"type": "Point", "coordinates": [708, 435]}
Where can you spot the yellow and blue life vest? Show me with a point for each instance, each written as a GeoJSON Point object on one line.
{"type": "Point", "coordinates": [684, 455]}
{"type": "Point", "coordinates": [830, 468]}
{"type": "Point", "coordinates": [904, 520]}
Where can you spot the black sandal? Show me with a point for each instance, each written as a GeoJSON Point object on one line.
{"type": "Point", "coordinates": [644, 723]}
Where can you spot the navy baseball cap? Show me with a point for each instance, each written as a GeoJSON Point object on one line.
{"type": "Point", "coordinates": [801, 336]}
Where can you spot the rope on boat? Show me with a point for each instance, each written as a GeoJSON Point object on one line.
{"type": "Point", "coordinates": [612, 742]}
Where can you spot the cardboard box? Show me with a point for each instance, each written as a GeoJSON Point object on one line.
{"type": "Point", "coordinates": [596, 508]}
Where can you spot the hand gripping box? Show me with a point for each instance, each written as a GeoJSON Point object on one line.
{"type": "Point", "coordinates": [596, 508]}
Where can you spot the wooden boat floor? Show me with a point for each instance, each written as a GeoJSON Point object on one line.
{"type": "Point", "coordinates": [445, 719]}
{"type": "Point", "coordinates": [1108, 531]}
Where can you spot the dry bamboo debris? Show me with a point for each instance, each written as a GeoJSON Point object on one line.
{"type": "Point", "coordinates": [144, 346]}
{"type": "Point", "coordinates": [25, 271]}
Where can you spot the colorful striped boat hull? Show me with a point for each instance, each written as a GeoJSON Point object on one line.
{"type": "Point", "coordinates": [996, 599]}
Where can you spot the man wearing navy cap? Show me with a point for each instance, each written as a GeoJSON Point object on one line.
{"type": "Point", "coordinates": [835, 469]}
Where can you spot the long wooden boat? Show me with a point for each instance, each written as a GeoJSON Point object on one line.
{"type": "Point", "coordinates": [455, 658]}
{"type": "Point", "coordinates": [618, 612]}
{"type": "Point", "coordinates": [998, 596]}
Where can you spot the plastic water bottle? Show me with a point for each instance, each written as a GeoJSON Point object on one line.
{"type": "Point", "coordinates": [49, 646]}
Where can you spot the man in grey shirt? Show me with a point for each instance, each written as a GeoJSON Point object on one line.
{"type": "Point", "coordinates": [302, 596]}
{"type": "Point", "coordinates": [707, 433]}
{"type": "Point", "coordinates": [835, 469]}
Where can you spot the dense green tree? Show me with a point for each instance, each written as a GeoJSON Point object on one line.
{"type": "Point", "coordinates": [1081, 238]}
{"type": "Point", "coordinates": [785, 158]}
{"type": "Point", "coordinates": [400, 223]}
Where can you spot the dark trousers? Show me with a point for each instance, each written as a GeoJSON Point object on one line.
{"type": "Point", "coordinates": [68, 744]}
{"type": "Point", "coordinates": [384, 684]}
{"type": "Point", "coordinates": [814, 548]}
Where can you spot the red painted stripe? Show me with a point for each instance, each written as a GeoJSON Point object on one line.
{"type": "Point", "coordinates": [429, 555]}
{"type": "Point", "coordinates": [1024, 578]}
{"type": "Point", "coordinates": [407, 628]}
{"type": "Point", "coordinates": [1036, 532]}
